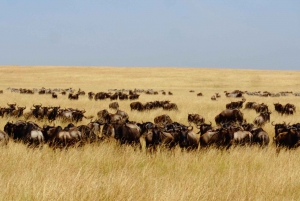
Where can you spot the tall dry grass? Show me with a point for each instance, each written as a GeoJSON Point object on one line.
{"type": "Point", "coordinates": [108, 172]}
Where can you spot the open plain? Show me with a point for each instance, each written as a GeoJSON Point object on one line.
{"type": "Point", "coordinates": [106, 171]}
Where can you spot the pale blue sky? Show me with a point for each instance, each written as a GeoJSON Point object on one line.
{"type": "Point", "coordinates": [252, 34]}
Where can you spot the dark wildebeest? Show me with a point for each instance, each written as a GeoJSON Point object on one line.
{"type": "Point", "coordinates": [187, 138]}
{"type": "Point", "coordinates": [213, 97]}
{"type": "Point", "coordinates": [73, 96]}
{"type": "Point", "coordinates": [163, 119]}
{"type": "Point", "coordinates": [114, 105]}
{"type": "Point", "coordinates": [199, 94]}
{"type": "Point", "coordinates": [234, 105]}
{"type": "Point", "coordinates": [28, 132]}
{"type": "Point", "coordinates": [53, 113]}
{"type": "Point", "coordinates": [57, 137]}
{"type": "Point", "coordinates": [289, 109]}
{"type": "Point", "coordinates": [260, 137]}
{"type": "Point", "coordinates": [278, 107]}
{"type": "Point", "coordinates": [128, 133]}
{"type": "Point", "coordinates": [261, 108]}
{"type": "Point", "coordinates": [91, 95]}
{"type": "Point", "coordinates": [289, 139]}
{"type": "Point", "coordinates": [203, 128]}
{"type": "Point", "coordinates": [229, 115]}
{"type": "Point", "coordinates": [170, 106]}
{"type": "Point", "coordinates": [213, 138]}
{"type": "Point", "coordinates": [18, 112]}
{"type": "Point", "coordinates": [249, 105]}
{"type": "Point", "coordinates": [54, 95]}
{"type": "Point", "coordinates": [105, 117]}
{"type": "Point", "coordinates": [279, 128]}
{"type": "Point", "coordinates": [137, 106]}
{"type": "Point", "coordinates": [196, 119]}
{"type": "Point", "coordinates": [262, 118]}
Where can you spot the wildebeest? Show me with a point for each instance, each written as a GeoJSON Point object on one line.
{"type": "Point", "coordinates": [28, 132]}
{"type": "Point", "coordinates": [196, 119]}
{"type": "Point", "coordinates": [54, 95]}
{"type": "Point", "coordinates": [91, 95]}
{"type": "Point", "coordinates": [233, 105]}
{"type": "Point", "coordinates": [213, 97]}
{"type": "Point", "coordinates": [105, 117]}
{"type": "Point", "coordinates": [128, 133]}
{"type": "Point", "coordinates": [279, 128]}
{"type": "Point", "coordinates": [250, 105]}
{"type": "Point", "coordinates": [60, 138]}
{"type": "Point", "coordinates": [114, 105]}
{"type": "Point", "coordinates": [278, 107]}
{"type": "Point", "coordinates": [187, 138]}
{"type": "Point", "coordinates": [261, 108]}
{"type": "Point", "coordinates": [18, 112]}
{"type": "Point", "coordinates": [262, 118]}
{"type": "Point", "coordinates": [260, 137]}
{"type": "Point", "coordinates": [73, 96]}
{"type": "Point", "coordinates": [289, 109]}
{"type": "Point", "coordinates": [229, 115]}
{"type": "Point", "coordinates": [163, 119]}
{"type": "Point", "coordinates": [203, 128]}
{"type": "Point", "coordinates": [137, 106]}
{"type": "Point", "coordinates": [289, 139]}
{"type": "Point", "coordinates": [170, 106]}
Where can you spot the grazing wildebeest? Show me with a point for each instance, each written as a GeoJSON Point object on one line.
{"type": "Point", "coordinates": [196, 119]}
{"type": "Point", "coordinates": [91, 95]}
{"type": "Point", "coordinates": [163, 119]}
{"type": "Point", "coordinates": [18, 112]}
{"type": "Point", "coordinates": [233, 105]}
{"type": "Point", "coordinates": [28, 132]}
{"type": "Point", "coordinates": [137, 106]}
{"type": "Point", "coordinates": [128, 133]}
{"type": "Point", "coordinates": [279, 128]}
{"type": "Point", "coordinates": [262, 118]}
{"type": "Point", "coordinates": [288, 139]}
{"type": "Point", "coordinates": [203, 128]}
{"type": "Point", "coordinates": [229, 115]}
{"type": "Point", "coordinates": [278, 107]}
{"type": "Point", "coordinates": [54, 95]}
{"type": "Point", "coordinates": [260, 137]}
{"type": "Point", "coordinates": [73, 96]}
{"type": "Point", "coordinates": [114, 105]}
{"type": "Point", "coordinates": [289, 109]}
{"type": "Point", "coordinates": [213, 97]}
{"type": "Point", "coordinates": [187, 138]}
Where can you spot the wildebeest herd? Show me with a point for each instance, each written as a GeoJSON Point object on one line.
{"type": "Point", "coordinates": [231, 127]}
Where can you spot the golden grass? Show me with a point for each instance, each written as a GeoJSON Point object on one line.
{"type": "Point", "coordinates": [108, 172]}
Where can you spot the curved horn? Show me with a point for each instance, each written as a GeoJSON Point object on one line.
{"type": "Point", "coordinates": [272, 123]}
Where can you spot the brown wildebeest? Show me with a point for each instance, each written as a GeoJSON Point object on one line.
{"type": "Point", "coordinates": [114, 105]}
{"type": "Point", "coordinates": [229, 115]}
{"type": "Point", "coordinates": [262, 118]}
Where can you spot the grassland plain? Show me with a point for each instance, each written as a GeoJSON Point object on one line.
{"type": "Point", "coordinates": [109, 172]}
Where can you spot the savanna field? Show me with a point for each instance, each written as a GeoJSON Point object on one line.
{"type": "Point", "coordinates": [106, 171]}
